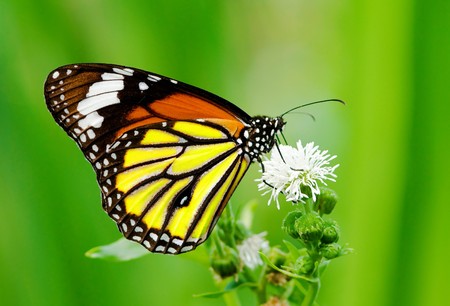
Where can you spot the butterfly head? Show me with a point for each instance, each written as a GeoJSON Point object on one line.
{"type": "Point", "coordinates": [260, 136]}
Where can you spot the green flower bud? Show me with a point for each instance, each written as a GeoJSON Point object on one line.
{"type": "Point", "coordinates": [330, 232]}
{"type": "Point", "coordinates": [310, 227]}
{"type": "Point", "coordinates": [304, 265]}
{"type": "Point", "coordinates": [330, 251]}
{"type": "Point", "coordinates": [226, 265]}
{"type": "Point", "coordinates": [326, 200]}
{"type": "Point", "coordinates": [289, 223]}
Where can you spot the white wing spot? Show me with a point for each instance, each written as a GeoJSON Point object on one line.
{"type": "Point", "coordinates": [94, 103]}
{"type": "Point", "coordinates": [124, 227]}
{"type": "Point", "coordinates": [171, 250]}
{"type": "Point", "coordinates": [115, 145]}
{"type": "Point", "coordinates": [143, 86]}
{"type": "Point", "coordinates": [132, 222]}
{"type": "Point", "coordinates": [68, 71]}
{"type": "Point", "coordinates": [174, 81]}
{"type": "Point", "coordinates": [91, 134]}
{"type": "Point", "coordinates": [55, 74]}
{"type": "Point", "coordinates": [165, 237]}
{"type": "Point", "coordinates": [147, 244]}
{"type": "Point", "coordinates": [137, 238]}
{"type": "Point", "coordinates": [159, 248]}
{"type": "Point", "coordinates": [153, 78]}
{"type": "Point", "coordinates": [109, 201]}
{"type": "Point", "coordinates": [114, 156]}
{"type": "Point", "coordinates": [61, 82]}
{"type": "Point", "coordinates": [108, 181]}
{"type": "Point", "coordinates": [115, 216]}
{"type": "Point", "coordinates": [187, 248]}
{"type": "Point", "coordinates": [105, 87]}
{"type": "Point", "coordinates": [124, 71]}
{"type": "Point", "coordinates": [153, 236]}
{"type": "Point", "coordinates": [91, 155]}
{"type": "Point", "coordinates": [91, 120]}
{"type": "Point", "coordinates": [177, 241]}
{"type": "Point", "coordinates": [83, 137]}
{"type": "Point", "coordinates": [105, 173]}
{"type": "Point", "coordinates": [98, 165]}
{"type": "Point", "coordinates": [62, 97]}
{"type": "Point", "coordinates": [138, 229]}
{"type": "Point", "coordinates": [95, 148]}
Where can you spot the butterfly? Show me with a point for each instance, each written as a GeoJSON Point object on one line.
{"type": "Point", "coordinates": [167, 155]}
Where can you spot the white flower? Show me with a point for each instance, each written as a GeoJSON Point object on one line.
{"type": "Point", "coordinates": [294, 168]}
{"type": "Point", "coordinates": [250, 247]}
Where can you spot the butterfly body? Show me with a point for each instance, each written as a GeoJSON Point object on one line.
{"type": "Point", "coordinates": [167, 155]}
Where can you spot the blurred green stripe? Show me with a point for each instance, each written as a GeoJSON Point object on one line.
{"type": "Point", "coordinates": [421, 276]}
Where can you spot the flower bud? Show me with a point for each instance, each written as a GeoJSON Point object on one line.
{"type": "Point", "coordinates": [326, 200]}
{"type": "Point", "coordinates": [310, 227]}
{"type": "Point", "coordinates": [330, 232]}
{"type": "Point", "coordinates": [330, 251]}
{"type": "Point", "coordinates": [304, 265]}
{"type": "Point", "coordinates": [289, 223]}
{"type": "Point", "coordinates": [227, 264]}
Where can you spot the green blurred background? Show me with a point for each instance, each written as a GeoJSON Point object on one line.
{"type": "Point", "coordinates": [388, 59]}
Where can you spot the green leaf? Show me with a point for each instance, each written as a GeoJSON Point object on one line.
{"type": "Point", "coordinates": [233, 285]}
{"type": "Point", "coordinates": [293, 250]}
{"type": "Point", "coordinates": [290, 274]}
{"type": "Point", "coordinates": [120, 250]}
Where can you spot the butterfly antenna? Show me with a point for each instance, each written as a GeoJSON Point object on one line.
{"type": "Point", "coordinates": [284, 138]}
{"type": "Point", "coordinates": [279, 151]}
{"type": "Point", "coordinates": [312, 103]}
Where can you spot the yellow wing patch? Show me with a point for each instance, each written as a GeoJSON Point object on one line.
{"type": "Point", "coordinates": [159, 137]}
{"type": "Point", "coordinates": [180, 221]}
{"type": "Point", "coordinates": [156, 215]}
{"type": "Point", "coordinates": [137, 201]}
{"type": "Point", "coordinates": [195, 157]}
{"type": "Point", "coordinates": [125, 181]}
{"type": "Point", "coordinates": [198, 130]}
{"type": "Point", "coordinates": [141, 155]}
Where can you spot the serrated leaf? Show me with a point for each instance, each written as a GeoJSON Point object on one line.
{"type": "Point", "coordinates": [120, 250]}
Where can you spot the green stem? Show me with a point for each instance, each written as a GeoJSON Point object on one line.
{"type": "Point", "coordinates": [231, 298]}
{"type": "Point", "coordinates": [311, 294]}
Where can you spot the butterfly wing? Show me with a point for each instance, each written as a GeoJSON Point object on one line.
{"type": "Point", "coordinates": [165, 152]}
{"type": "Point", "coordinates": [166, 187]}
